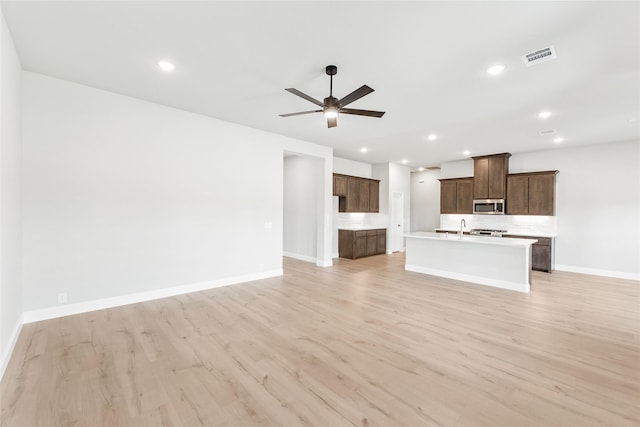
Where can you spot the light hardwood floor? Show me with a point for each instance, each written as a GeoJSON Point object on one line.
{"type": "Point", "coordinates": [361, 343]}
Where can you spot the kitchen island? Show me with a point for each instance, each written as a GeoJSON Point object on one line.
{"type": "Point", "coordinates": [491, 261]}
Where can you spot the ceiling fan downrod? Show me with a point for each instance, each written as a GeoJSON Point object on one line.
{"type": "Point", "coordinates": [331, 71]}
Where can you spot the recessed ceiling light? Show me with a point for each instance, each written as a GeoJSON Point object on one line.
{"type": "Point", "coordinates": [432, 137]}
{"type": "Point", "coordinates": [558, 140]}
{"type": "Point", "coordinates": [166, 65]}
{"type": "Point", "coordinates": [544, 114]}
{"type": "Point", "coordinates": [466, 152]}
{"type": "Point", "coordinates": [405, 161]}
{"type": "Point", "coordinates": [495, 69]}
{"type": "Point", "coordinates": [363, 150]}
{"type": "Point", "coordinates": [420, 169]}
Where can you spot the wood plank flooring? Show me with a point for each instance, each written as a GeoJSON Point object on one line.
{"type": "Point", "coordinates": [362, 343]}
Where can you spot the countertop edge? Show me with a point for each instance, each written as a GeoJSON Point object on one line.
{"type": "Point", "coordinates": [508, 233]}
{"type": "Point", "coordinates": [481, 240]}
{"type": "Point", "coordinates": [361, 228]}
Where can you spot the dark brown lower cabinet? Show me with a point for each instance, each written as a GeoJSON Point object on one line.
{"type": "Point", "coordinates": [541, 253]}
{"type": "Point", "coordinates": [541, 257]}
{"type": "Point", "coordinates": [361, 243]}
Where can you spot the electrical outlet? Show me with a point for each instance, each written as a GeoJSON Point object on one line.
{"type": "Point", "coordinates": [62, 298]}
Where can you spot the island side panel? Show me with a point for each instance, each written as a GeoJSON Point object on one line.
{"type": "Point", "coordinates": [501, 266]}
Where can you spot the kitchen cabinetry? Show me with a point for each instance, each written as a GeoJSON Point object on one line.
{"type": "Point", "coordinates": [356, 194]}
{"type": "Point", "coordinates": [531, 193]}
{"type": "Point", "coordinates": [541, 252]}
{"type": "Point", "coordinates": [374, 196]}
{"type": "Point", "coordinates": [339, 185]}
{"type": "Point", "coordinates": [456, 196]}
{"type": "Point", "coordinates": [355, 244]}
{"type": "Point", "coordinates": [489, 176]}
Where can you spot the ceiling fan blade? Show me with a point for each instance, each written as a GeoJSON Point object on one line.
{"type": "Point", "coordinates": [301, 112]}
{"type": "Point", "coordinates": [332, 122]}
{"type": "Point", "coordinates": [369, 113]}
{"type": "Point", "coordinates": [355, 95]}
{"type": "Point", "coordinates": [305, 96]}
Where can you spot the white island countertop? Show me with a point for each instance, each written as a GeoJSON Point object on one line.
{"type": "Point", "coordinates": [492, 261]}
{"type": "Point", "coordinates": [483, 240]}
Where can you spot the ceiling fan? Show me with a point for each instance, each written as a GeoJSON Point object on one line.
{"type": "Point", "coordinates": [332, 106]}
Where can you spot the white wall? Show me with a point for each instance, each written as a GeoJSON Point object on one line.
{"type": "Point", "coordinates": [300, 216]}
{"type": "Point", "coordinates": [351, 167]}
{"type": "Point", "coordinates": [597, 204]}
{"type": "Point", "coordinates": [10, 194]}
{"type": "Point", "coordinates": [425, 200]}
{"type": "Point", "coordinates": [457, 169]}
{"type": "Point", "coordinates": [400, 182]}
{"type": "Point", "coordinates": [123, 196]}
{"type": "Point", "coordinates": [393, 178]}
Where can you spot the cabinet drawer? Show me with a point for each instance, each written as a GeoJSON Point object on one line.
{"type": "Point", "coordinates": [362, 233]}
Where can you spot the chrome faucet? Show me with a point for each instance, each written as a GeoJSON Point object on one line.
{"type": "Point", "coordinates": [462, 222]}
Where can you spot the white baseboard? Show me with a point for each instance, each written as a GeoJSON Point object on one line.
{"type": "Point", "coordinates": [316, 261]}
{"type": "Point", "coordinates": [325, 263]}
{"type": "Point", "coordinates": [86, 306]}
{"type": "Point", "coordinates": [336, 255]}
{"type": "Point", "coordinates": [597, 272]}
{"type": "Point", "coordinates": [6, 354]}
{"type": "Point", "coordinates": [300, 257]}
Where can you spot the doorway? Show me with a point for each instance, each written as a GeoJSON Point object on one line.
{"type": "Point", "coordinates": [396, 230]}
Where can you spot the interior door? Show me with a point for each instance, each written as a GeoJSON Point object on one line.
{"type": "Point", "coordinates": [396, 231]}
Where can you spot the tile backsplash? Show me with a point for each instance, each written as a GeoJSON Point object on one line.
{"type": "Point", "coordinates": [373, 220]}
{"type": "Point", "coordinates": [523, 224]}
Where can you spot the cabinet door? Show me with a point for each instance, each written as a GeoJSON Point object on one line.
{"type": "Point", "coordinates": [481, 178]}
{"type": "Point", "coordinates": [540, 257]}
{"type": "Point", "coordinates": [353, 195]}
{"type": "Point", "coordinates": [448, 197]}
{"type": "Point", "coordinates": [517, 195]}
{"type": "Point", "coordinates": [345, 243]}
{"type": "Point", "coordinates": [339, 185]}
{"type": "Point", "coordinates": [464, 196]}
{"type": "Point", "coordinates": [542, 194]}
{"type": "Point", "coordinates": [374, 196]}
{"type": "Point", "coordinates": [360, 244]}
{"type": "Point", "coordinates": [382, 241]}
{"type": "Point", "coordinates": [372, 242]}
{"type": "Point", "coordinates": [364, 196]}
{"type": "Point", "coordinates": [497, 173]}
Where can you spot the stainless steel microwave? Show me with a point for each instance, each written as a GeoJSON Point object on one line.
{"type": "Point", "coordinates": [489, 207]}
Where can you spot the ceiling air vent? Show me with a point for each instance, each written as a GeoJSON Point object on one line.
{"type": "Point", "coordinates": [539, 56]}
{"type": "Point", "coordinates": [547, 132]}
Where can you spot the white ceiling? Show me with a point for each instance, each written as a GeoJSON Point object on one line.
{"type": "Point", "coordinates": [426, 61]}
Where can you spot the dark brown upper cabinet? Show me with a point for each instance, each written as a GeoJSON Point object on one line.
{"type": "Point", "coordinates": [339, 185]}
{"type": "Point", "coordinates": [356, 194]}
{"type": "Point", "coordinates": [531, 193]}
{"type": "Point", "coordinates": [456, 196]}
{"type": "Point", "coordinates": [489, 176]}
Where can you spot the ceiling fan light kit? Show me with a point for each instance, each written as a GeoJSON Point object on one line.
{"type": "Point", "coordinates": [332, 106]}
